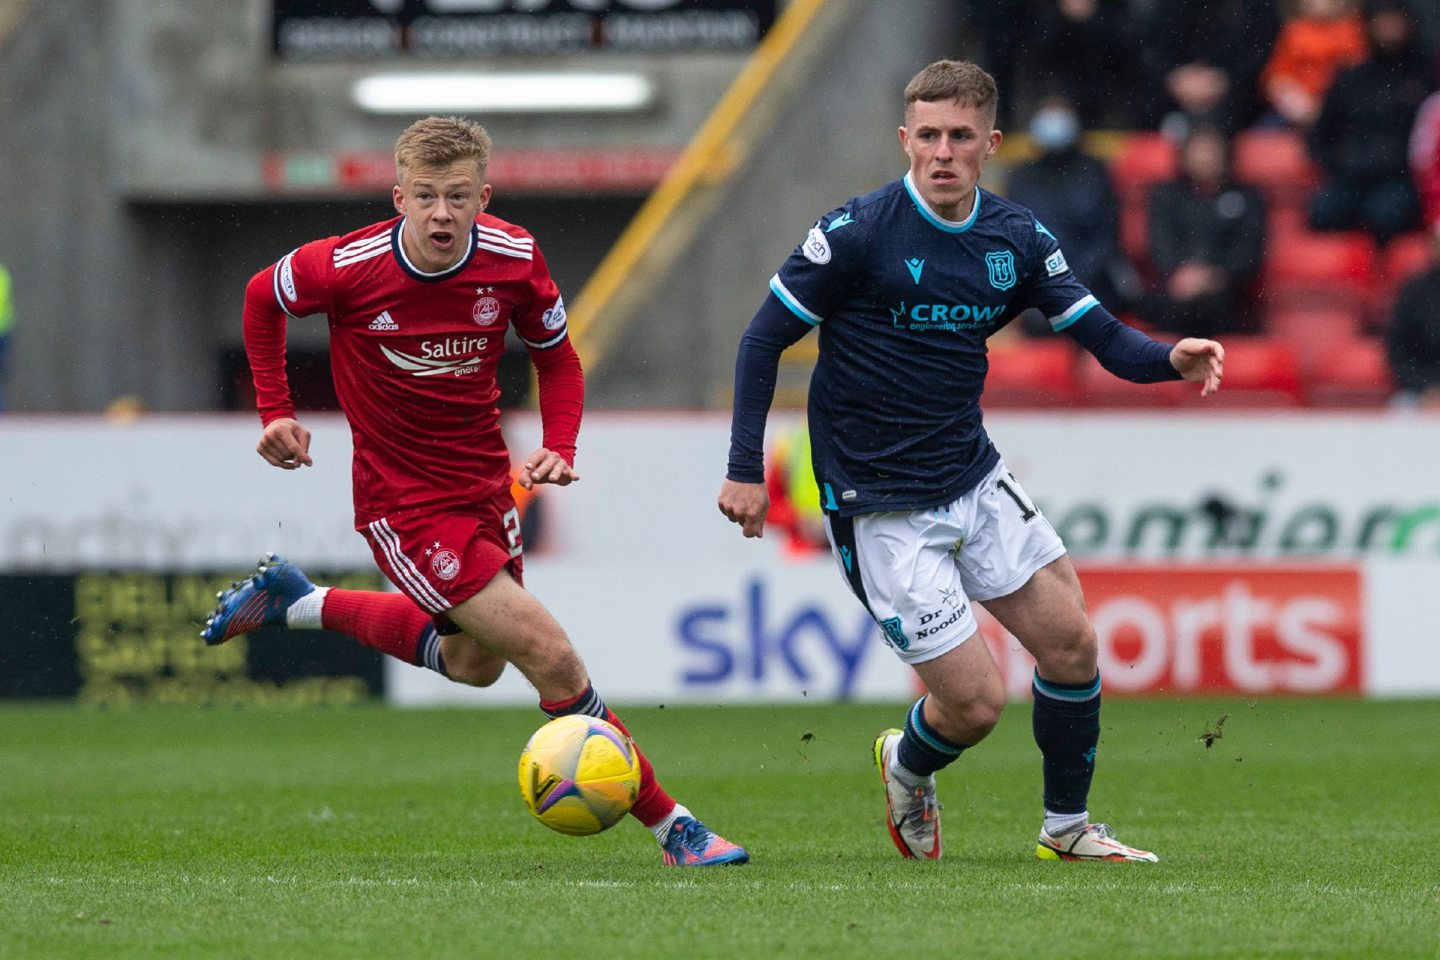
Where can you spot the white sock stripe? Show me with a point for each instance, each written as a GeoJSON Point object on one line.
{"type": "Point", "coordinates": [419, 588]}
{"type": "Point", "coordinates": [430, 652]}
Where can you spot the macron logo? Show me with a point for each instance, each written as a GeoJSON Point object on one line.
{"type": "Point", "coordinates": [384, 322]}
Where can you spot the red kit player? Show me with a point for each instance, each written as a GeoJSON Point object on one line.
{"type": "Point", "coordinates": [418, 308]}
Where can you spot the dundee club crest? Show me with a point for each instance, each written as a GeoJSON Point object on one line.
{"type": "Point", "coordinates": [1001, 264]}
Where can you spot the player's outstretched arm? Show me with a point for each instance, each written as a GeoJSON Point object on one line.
{"type": "Point", "coordinates": [546, 466]}
{"type": "Point", "coordinates": [1199, 361]}
{"type": "Point", "coordinates": [284, 443]}
{"type": "Point", "coordinates": [745, 504]}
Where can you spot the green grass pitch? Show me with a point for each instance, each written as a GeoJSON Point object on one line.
{"type": "Point", "coordinates": [1306, 830]}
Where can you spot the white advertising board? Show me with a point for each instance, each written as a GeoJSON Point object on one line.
{"type": "Point", "coordinates": [1220, 516]}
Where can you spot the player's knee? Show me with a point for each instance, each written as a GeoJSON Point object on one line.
{"type": "Point", "coordinates": [982, 714]}
{"type": "Point", "coordinates": [471, 664]}
{"type": "Point", "coordinates": [481, 673]}
{"type": "Point", "coordinates": [1071, 653]}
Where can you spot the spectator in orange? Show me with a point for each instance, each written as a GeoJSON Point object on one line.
{"type": "Point", "coordinates": [1321, 37]}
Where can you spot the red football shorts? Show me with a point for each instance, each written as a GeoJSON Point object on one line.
{"type": "Point", "coordinates": [440, 559]}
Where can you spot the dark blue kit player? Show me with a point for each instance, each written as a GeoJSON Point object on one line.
{"type": "Point", "coordinates": [905, 284]}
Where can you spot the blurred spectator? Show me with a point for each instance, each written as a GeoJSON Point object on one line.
{"type": "Point", "coordinates": [1425, 159]}
{"type": "Point", "coordinates": [1319, 39]}
{"type": "Point", "coordinates": [1103, 83]}
{"type": "Point", "coordinates": [1004, 30]}
{"type": "Point", "coordinates": [1413, 338]}
{"type": "Point", "coordinates": [1205, 59]}
{"type": "Point", "coordinates": [1207, 234]}
{"type": "Point", "coordinates": [7, 323]}
{"type": "Point", "coordinates": [1361, 138]}
{"type": "Point", "coordinates": [1070, 193]}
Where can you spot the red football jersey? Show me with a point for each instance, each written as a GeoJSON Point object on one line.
{"type": "Point", "coordinates": [414, 357]}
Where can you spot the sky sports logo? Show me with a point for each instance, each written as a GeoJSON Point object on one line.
{"type": "Point", "coordinates": [1213, 630]}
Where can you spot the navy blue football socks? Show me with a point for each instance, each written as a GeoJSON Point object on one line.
{"type": "Point", "coordinates": [1066, 721]}
{"type": "Point", "coordinates": [922, 749]}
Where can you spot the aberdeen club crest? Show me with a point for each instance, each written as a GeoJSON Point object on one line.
{"type": "Point", "coordinates": [487, 308]}
{"type": "Point", "coordinates": [445, 563]}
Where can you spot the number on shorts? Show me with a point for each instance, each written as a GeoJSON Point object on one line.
{"type": "Point", "coordinates": [1027, 510]}
{"type": "Point", "coordinates": [511, 524]}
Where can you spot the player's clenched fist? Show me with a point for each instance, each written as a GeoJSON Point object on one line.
{"type": "Point", "coordinates": [745, 504]}
{"type": "Point", "coordinates": [285, 444]}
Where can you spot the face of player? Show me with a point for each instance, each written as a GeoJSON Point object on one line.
{"type": "Point", "coordinates": [947, 143]}
{"type": "Point", "coordinates": [440, 205]}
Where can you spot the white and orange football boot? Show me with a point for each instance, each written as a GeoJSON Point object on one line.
{"type": "Point", "coordinates": [1093, 842]}
{"type": "Point", "coordinates": [913, 815]}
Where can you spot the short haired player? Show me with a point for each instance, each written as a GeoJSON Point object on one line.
{"type": "Point", "coordinates": [418, 308]}
{"type": "Point", "coordinates": [905, 284]}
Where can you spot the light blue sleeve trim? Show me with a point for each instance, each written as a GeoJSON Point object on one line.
{"type": "Point", "coordinates": [796, 307]}
{"type": "Point", "coordinates": [1077, 310]}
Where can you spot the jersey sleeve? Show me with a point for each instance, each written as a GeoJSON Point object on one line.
{"type": "Point", "coordinates": [299, 284]}
{"type": "Point", "coordinates": [819, 273]}
{"type": "Point", "coordinates": [541, 322]}
{"type": "Point", "coordinates": [560, 380]}
{"type": "Point", "coordinates": [303, 280]}
{"type": "Point", "coordinates": [1050, 286]}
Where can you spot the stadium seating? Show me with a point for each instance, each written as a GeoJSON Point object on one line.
{"type": "Point", "coordinates": [1259, 372]}
{"type": "Point", "coordinates": [1309, 330]}
{"type": "Point", "coordinates": [1144, 160]}
{"type": "Point", "coordinates": [1404, 257]}
{"type": "Point", "coordinates": [1351, 373]}
{"type": "Point", "coordinates": [1333, 269]}
{"type": "Point", "coordinates": [1030, 373]}
{"type": "Point", "coordinates": [1277, 163]}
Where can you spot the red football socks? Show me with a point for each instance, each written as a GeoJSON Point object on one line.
{"type": "Point", "coordinates": [388, 622]}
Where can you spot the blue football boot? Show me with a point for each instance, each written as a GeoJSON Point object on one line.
{"type": "Point", "coordinates": [260, 601]}
{"type": "Point", "coordinates": [691, 844]}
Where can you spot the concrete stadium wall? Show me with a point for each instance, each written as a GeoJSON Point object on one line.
{"type": "Point", "coordinates": [134, 133]}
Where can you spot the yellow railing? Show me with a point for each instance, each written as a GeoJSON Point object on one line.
{"type": "Point", "coordinates": [657, 235]}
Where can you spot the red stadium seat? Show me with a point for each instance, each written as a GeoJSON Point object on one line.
{"type": "Point", "coordinates": [1143, 161]}
{"type": "Point", "coordinates": [1402, 258]}
{"type": "Point", "coordinates": [1351, 373]}
{"type": "Point", "coordinates": [1259, 372]}
{"type": "Point", "coordinates": [1277, 163]}
{"type": "Point", "coordinates": [1311, 330]}
{"type": "Point", "coordinates": [1097, 387]}
{"type": "Point", "coordinates": [1030, 373]}
{"type": "Point", "coordinates": [1135, 231]}
{"type": "Point", "coordinates": [1323, 268]}
{"type": "Point", "coordinates": [1283, 221]}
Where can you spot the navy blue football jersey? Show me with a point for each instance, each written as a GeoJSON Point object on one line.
{"type": "Point", "coordinates": [904, 301]}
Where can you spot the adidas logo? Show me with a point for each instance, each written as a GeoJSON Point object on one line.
{"type": "Point", "coordinates": [384, 322]}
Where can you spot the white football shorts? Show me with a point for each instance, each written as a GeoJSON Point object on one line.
{"type": "Point", "coordinates": [917, 571]}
